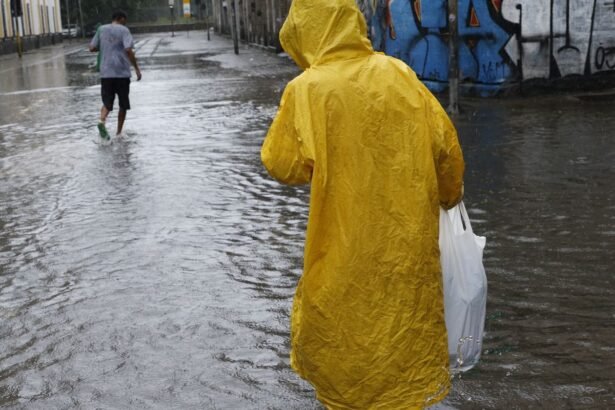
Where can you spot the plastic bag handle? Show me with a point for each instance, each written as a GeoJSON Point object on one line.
{"type": "Point", "coordinates": [464, 216]}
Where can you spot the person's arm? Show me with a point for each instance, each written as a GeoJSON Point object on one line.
{"type": "Point", "coordinates": [133, 60]}
{"type": "Point", "coordinates": [448, 157]}
{"type": "Point", "coordinates": [283, 153]}
{"type": "Point", "coordinates": [129, 47]}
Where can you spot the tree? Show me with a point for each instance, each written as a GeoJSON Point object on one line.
{"type": "Point", "coordinates": [100, 11]}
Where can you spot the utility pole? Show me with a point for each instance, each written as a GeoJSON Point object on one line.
{"type": "Point", "coordinates": [209, 11]}
{"type": "Point", "coordinates": [206, 17]}
{"type": "Point", "coordinates": [217, 14]}
{"type": "Point", "coordinates": [237, 19]}
{"type": "Point", "coordinates": [274, 23]}
{"type": "Point", "coordinates": [453, 60]}
{"type": "Point", "coordinates": [4, 28]}
{"type": "Point", "coordinates": [235, 26]}
{"type": "Point", "coordinates": [223, 14]}
{"type": "Point", "coordinates": [16, 13]}
{"type": "Point", "coordinates": [268, 29]}
{"type": "Point", "coordinates": [67, 17]}
{"type": "Point", "coordinates": [18, 38]}
{"type": "Point", "coordinates": [223, 17]}
{"type": "Point", "coordinates": [81, 19]}
{"type": "Point", "coordinates": [171, 9]}
{"type": "Point", "coordinates": [246, 21]}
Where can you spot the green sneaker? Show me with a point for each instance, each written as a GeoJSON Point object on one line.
{"type": "Point", "coordinates": [102, 130]}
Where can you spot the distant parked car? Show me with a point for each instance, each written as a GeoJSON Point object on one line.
{"type": "Point", "coordinates": [90, 29]}
{"type": "Point", "coordinates": [75, 31]}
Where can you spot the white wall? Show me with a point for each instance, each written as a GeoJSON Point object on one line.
{"type": "Point", "coordinates": [576, 33]}
{"type": "Point", "coordinates": [5, 24]}
{"type": "Point", "coordinates": [40, 17]}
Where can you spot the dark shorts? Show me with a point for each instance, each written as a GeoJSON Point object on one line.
{"type": "Point", "coordinates": [111, 86]}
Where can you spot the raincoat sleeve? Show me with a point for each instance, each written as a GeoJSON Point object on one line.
{"type": "Point", "coordinates": [448, 157]}
{"type": "Point", "coordinates": [284, 152]}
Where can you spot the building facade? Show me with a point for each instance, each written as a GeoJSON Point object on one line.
{"type": "Point", "coordinates": [39, 25]}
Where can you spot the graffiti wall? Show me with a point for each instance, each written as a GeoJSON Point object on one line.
{"type": "Point", "coordinates": [500, 41]}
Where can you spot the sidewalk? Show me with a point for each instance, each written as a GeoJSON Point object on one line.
{"type": "Point", "coordinates": [188, 46]}
{"type": "Point", "coordinates": [251, 59]}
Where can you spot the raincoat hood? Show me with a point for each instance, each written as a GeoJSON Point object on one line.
{"type": "Point", "coordinates": [321, 31]}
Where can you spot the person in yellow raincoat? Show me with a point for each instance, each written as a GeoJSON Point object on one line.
{"type": "Point", "coordinates": [381, 155]}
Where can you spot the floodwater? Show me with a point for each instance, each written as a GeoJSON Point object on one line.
{"type": "Point", "coordinates": [158, 272]}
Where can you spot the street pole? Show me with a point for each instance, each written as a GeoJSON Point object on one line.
{"type": "Point", "coordinates": [207, 21]}
{"type": "Point", "coordinates": [67, 17]}
{"type": "Point", "coordinates": [16, 13]}
{"type": "Point", "coordinates": [220, 15]}
{"type": "Point", "coordinates": [237, 19]}
{"type": "Point", "coordinates": [274, 23]}
{"type": "Point", "coordinates": [234, 27]}
{"type": "Point", "coordinates": [246, 21]}
{"type": "Point", "coordinates": [81, 19]}
{"type": "Point", "coordinates": [453, 61]}
{"type": "Point", "coordinates": [18, 38]}
{"type": "Point", "coordinates": [268, 22]}
{"type": "Point", "coordinates": [4, 28]}
{"type": "Point", "coordinates": [171, 6]}
{"type": "Point", "coordinates": [223, 14]}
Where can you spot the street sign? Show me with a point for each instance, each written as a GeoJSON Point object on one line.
{"type": "Point", "coordinates": [171, 3]}
{"type": "Point", "coordinates": [16, 10]}
{"type": "Point", "coordinates": [187, 12]}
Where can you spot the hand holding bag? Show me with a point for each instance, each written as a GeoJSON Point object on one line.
{"type": "Point", "coordinates": [465, 287]}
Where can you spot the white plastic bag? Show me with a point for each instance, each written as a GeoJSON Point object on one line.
{"type": "Point", "coordinates": [465, 287]}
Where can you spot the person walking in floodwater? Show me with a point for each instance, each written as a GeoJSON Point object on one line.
{"type": "Point", "coordinates": [115, 44]}
{"type": "Point", "coordinates": [382, 156]}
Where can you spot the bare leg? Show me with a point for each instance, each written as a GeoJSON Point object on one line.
{"type": "Point", "coordinates": [121, 117]}
{"type": "Point", "coordinates": [102, 129]}
{"type": "Point", "coordinates": [104, 112]}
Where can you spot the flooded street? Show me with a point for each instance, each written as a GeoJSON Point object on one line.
{"type": "Point", "coordinates": [158, 272]}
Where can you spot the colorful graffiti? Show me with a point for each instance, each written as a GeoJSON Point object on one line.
{"type": "Point", "coordinates": [484, 36]}
{"type": "Point", "coordinates": [500, 41]}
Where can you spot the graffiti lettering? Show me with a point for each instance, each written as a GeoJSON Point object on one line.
{"type": "Point", "coordinates": [418, 40]}
{"type": "Point", "coordinates": [572, 22]}
{"type": "Point", "coordinates": [605, 57]}
{"type": "Point", "coordinates": [603, 38]}
{"type": "Point", "coordinates": [483, 35]}
{"type": "Point", "coordinates": [492, 72]}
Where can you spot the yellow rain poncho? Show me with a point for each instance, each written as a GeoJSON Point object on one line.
{"type": "Point", "coordinates": [381, 156]}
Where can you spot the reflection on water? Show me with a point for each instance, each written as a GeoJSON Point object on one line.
{"type": "Point", "coordinates": [158, 272]}
{"type": "Point", "coordinates": [540, 187]}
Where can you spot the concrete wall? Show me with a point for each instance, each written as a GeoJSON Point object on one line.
{"type": "Point", "coordinates": [9, 45]}
{"type": "Point", "coordinates": [259, 20]}
{"type": "Point", "coordinates": [502, 42]}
